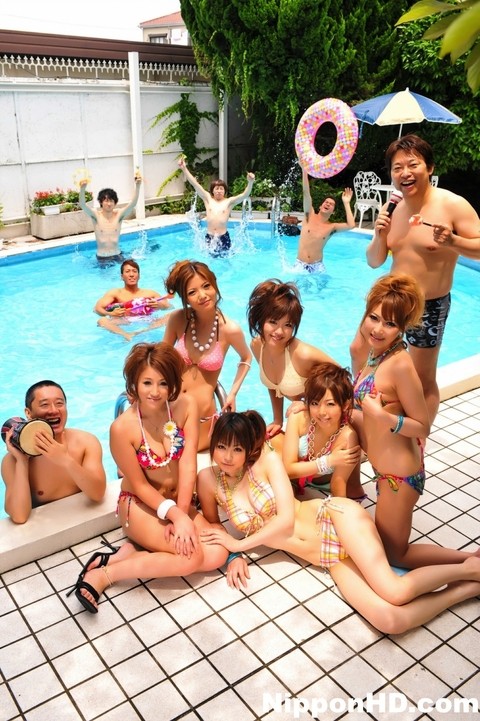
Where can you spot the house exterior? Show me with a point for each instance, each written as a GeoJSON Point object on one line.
{"type": "Point", "coordinates": [166, 30]}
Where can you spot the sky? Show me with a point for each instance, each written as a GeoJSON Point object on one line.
{"type": "Point", "coordinates": [90, 18]}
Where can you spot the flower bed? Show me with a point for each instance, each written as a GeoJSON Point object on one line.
{"type": "Point", "coordinates": [56, 213]}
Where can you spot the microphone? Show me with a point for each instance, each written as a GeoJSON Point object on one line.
{"type": "Point", "coordinates": [395, 198]}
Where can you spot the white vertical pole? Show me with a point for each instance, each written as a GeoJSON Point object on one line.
{"type": "Point", "coordinates": [136, 121]}
{"type": "Point", "coordinates": [223, 140]}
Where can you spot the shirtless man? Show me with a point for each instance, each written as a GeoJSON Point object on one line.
{"type": "Point", "coordinates": [317, 228]}
{"type": "Point", "coordinates": [108, 220]}
{"type": "Point", "coordinates": [218, 208]}
{"type": "Point", "coordinates": [427, 251]}
{"type": "Point", "coordinates": [111, 306]}
{"type": "Point", "coordinates": [68, 463]}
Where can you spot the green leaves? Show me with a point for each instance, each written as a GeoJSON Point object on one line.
{"type": "Point", "coordinates": [460, 30]}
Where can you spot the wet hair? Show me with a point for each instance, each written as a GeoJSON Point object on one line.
{"type": "Point", "coordinates": [182, 272]}
{"type": "Point", "coordinates": [216, 183]}
{"type": "Point", "coordinates": [247, 430]}
{"type": "Point", "coordinates": [163, 358]}
{"type": "Point", "coordinates": [30, 394]}
{"type": "Point", "coordinates": [107, 194]}
{"type": "Point", "coordinates": [325, 377]}
{"type": "Point", "coordinates": [273, 299]}
{"type": "Point", "coordinates": [131, 262]}
{"type": "Point", "coordinates": [401, 299]}
{"type": "Point", "coordinates": [412, 145]}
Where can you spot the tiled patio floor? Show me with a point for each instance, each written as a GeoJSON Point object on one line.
{"type": "Point", "coordinates": [194, 649]}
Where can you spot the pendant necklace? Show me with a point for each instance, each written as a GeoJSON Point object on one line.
{"type": "Point", "coordinates": [374, 361]}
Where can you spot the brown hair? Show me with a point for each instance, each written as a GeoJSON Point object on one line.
{"type": "Point", "coordinates": [401, 299]}
{"type": "Point", "coordinates": [163, 358]}
{"type": "Point", "coordinates": [216, 183]}
{"type": "Point", "coordinates": [182, 272]}
{"type": "Point", "coordinates": [273, 299]}
{"type": "Point", "coordinates": [131, 262]}
{"type": "Point", "coordinates": [412, 145]}
{"type": "Point", "coordinates": [247, 430]}
{"type": "Point", "coordinates": [325, 377]}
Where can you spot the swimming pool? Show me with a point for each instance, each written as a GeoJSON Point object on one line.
{"type": "Point", "coordinates": [49, 329]}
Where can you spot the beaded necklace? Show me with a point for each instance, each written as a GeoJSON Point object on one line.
{"type": "Point", "coordinates": [169, 430]}
{"type": "Point", "coordinates": [328, 445]}
{"type": "Point", "coordinates": [374, 361]}
{"type": "Point", "coordinates": [213, 333]}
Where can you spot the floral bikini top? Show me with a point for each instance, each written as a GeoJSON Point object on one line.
{"type": "Point", "coordinates": [151, 461]}
{"type": "Point", "coordinates": [366, 386]}
{"type": "Point", "coordinates": [261, 497]}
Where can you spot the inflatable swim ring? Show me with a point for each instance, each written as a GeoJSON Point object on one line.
{"type": "Point", "coordinates": [137, 306]}
{"type": "Point", "coordinates": [328, 110]}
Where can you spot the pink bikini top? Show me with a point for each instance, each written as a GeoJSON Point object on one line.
{"type": "Point", "coordinates": [211, 362]}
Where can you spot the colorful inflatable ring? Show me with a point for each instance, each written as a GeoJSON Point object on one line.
{"type": "Point", "coordinates": [137, 306]}
{"type": "Point", "coordinates": [328, 110]}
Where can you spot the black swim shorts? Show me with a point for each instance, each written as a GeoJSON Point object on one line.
{"type": "Point", "coordinates": [430, 333]}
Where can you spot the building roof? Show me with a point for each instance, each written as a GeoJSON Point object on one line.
{"type": "Point", "coordinates": [164, 20]}
{"type": "Point", "coordinates": [16, 42]}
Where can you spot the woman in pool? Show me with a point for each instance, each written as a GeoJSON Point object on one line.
{"type": "Point", "coordinates": [154, 444]}
{"type": "Point", "coordinates": [254, 490]}
{"type": "Point", "coordinates": [390, 416]}
{"type": "Point", "coordinates": [319, 442]}
{"type": "Point", "coordinates": [202, 335]}
{"type": "Point", "coordinates": [274, 312]}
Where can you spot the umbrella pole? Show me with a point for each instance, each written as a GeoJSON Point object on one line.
{"type": "Point", "coordinates": [400, 131]}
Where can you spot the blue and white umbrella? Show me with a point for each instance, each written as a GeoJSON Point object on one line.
{"type": "Point", "coordinates": [403, 107]}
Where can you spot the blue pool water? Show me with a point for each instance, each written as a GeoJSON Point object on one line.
{"type": "Point", "coordinates": [50, 331]}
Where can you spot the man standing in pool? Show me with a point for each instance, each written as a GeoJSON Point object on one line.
{"type": "Point", "coordinates": [68, 463]}
{"type": "Point", "coordinates": [317, 228]}
{"type": "Point", "coordinates": [426, 249]}
{"type": "Point", "coordinates": [119, 306]}
{"type": "Point", "coordinates": [107, 221]}
{"type": "Point", "coordinates": [218, 208]}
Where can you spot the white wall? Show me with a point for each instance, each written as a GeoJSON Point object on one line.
{"type": "Point", "coordinates": [49, 129]}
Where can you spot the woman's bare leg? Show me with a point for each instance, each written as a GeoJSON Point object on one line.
{"type": "Point", "coordinates": [393, 518]}
{"type": "Point", "coordinates": [392, 619]}
{"type": "Point", "coordinates": [360, 538]}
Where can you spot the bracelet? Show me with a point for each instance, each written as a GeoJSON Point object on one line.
{"type": "Point", "coordinates": [164, 508]}
{"type": "Point", "coordinates": [323, 466]}
{"type": "Point", "coordinates": [398, 426]}
{"type": "Point", "coordinates": [244, 363]}
{"type": "Point", "coordinates": [232, 556]}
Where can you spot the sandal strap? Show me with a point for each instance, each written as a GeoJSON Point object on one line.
{"type": "Point", "coordinates": [104, 569]}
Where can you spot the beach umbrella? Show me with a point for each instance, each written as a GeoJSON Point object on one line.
{"type": "Point", "coordinates": [403, 107]}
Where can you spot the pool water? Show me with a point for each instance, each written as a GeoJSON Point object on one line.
{"type": "Point", "coordinates": [50, 331]}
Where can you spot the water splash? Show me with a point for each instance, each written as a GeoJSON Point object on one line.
{"type": "Point", "coordinates": [140, 251]}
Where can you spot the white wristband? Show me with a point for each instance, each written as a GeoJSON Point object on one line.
{"type": "Point", "coordinates": [164, 508]}
{"type": "Point", "coordinates": [323, 466]}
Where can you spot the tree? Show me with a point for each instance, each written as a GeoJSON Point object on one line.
{"type": "Point", "coordinates": [459, 26]}
{"type": "Point", "coordinates": [281, 56]}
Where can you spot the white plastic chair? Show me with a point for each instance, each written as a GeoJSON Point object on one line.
{"type": "Point", "coordinates": [366, 198]}
{"type": "Point", "coordinates": [434, 180]}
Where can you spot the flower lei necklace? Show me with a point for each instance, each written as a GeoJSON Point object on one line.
{"type": "Point", "coordinates": [374, 361]}
{"type": "Point", "coordinates": [328, 445]}
{"type": "Point", "coordinates": [213, 333]}
{"type": "Point", "coordinates": [169, 430]}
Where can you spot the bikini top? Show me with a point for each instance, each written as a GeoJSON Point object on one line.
{"type": "Point", "coordinates": [367, 385]}
{"type": "Point", "coordinates": [261, 497]}
{"type": "Point", "coordinates": [151, 461]}
{"type": "Point", "coordinates": [211, 362]}
{"type": "Point", "coordinates": [291, 385]}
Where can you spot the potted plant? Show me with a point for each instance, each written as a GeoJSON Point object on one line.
{"type": "Point", "coordinates": [56, 213]}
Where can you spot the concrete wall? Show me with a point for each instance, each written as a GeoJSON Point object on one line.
{"type": "Point", "coordinates": [49, 129]}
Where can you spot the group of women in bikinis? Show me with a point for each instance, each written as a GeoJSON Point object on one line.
{"type": "Point", "coordinates": [258, 474]}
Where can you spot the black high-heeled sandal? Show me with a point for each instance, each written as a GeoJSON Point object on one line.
{"type": "Point", "coordinates": [104, 559]}
{"type": "Point", "coordinates": [83, 585]}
